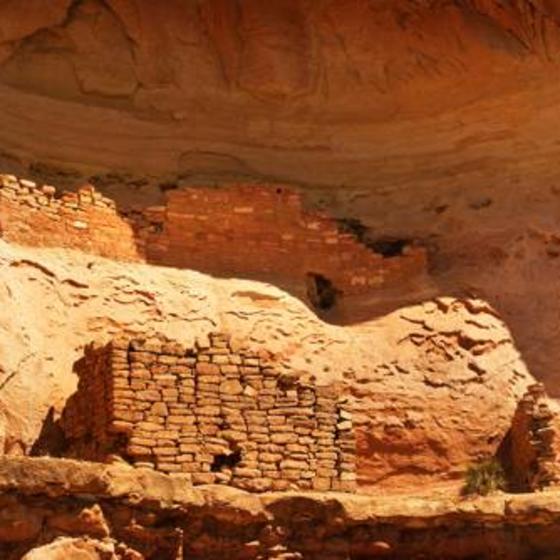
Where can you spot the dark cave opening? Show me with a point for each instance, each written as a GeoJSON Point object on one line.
{"type": "Point", "coordinates": [388, 246]}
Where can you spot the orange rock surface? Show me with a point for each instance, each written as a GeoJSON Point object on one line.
{"type": "Point", "coordinates": [154, 516]}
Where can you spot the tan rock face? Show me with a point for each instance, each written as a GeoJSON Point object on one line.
{"type": "Point", "coordinates": [80, 549]}
{"type": "Point", "coordinates": [417, 148]}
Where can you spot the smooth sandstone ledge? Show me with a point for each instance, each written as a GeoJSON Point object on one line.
{"type": "Point", "coordinates": [64, 477]}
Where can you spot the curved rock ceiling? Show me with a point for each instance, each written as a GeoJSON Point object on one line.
{"type": "Point", "coordinates": [431, 120]}
{"type": "Point", "coordinates": [331, 92]}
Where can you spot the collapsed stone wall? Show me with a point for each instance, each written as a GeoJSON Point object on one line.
{"type": "Point", "coordinates": [533, 457]}
{"type": "Point", "coordinates": [260, 232]}
{"type": "Point", "coordinates": [217, 413]}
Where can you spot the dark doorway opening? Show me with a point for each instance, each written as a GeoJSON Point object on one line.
{"type": "Point", "coordinates": [321, 291]}
{"type": "Point", "coordinates": [225, 460]}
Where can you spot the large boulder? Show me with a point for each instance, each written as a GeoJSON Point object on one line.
{"type": "Point", "coordinates": [433, 385]}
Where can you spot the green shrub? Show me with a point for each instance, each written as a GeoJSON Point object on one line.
{"type": "Point", "coordinates": [484, 477]}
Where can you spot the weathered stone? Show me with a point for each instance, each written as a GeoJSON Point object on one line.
{"type": "Point", "coordinates": [231, 387]}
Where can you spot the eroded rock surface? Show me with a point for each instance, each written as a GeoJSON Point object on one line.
{"type": "Point", "coordinates": [417, 124]}
{"type": "Point", "coordinates": [424, 379]}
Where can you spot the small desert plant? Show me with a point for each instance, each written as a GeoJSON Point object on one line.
{"type": "Point", "coordinates": [484, 477]}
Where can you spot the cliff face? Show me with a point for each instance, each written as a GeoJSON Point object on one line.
{"type": "Point", "coordinates": [363, 93]}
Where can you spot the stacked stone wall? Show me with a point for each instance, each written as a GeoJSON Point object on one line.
{"type": "Point", "coordinates": [534, 447]}
{"type": "Point", "coordinates": [264, 232]}
{"type": "Point", "coordinates": [88, 413]}
{"type": "Point", "coordinates": [260, 232]}
{"type": "Point", "coordinates": [34, 215]}
{"type": "Point", "coordinates": [217, 413]}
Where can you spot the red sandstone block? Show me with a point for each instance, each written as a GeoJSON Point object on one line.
{"type": "Point", "coordinates": [185, 458]}
{"type": "Point", "coordinates": [149, 426]}
{"type": "Point", "coordinates": [181, 370]}
{"type": "Point", "coordinates": [140, 373]}
{"type": "Point", "coordinates": [148, 395]}
{"type": "Point", "coordinates": [203, 478]}
{"type": "Point", "coordinates": [186, 429]}
{"type": "Point", "coordinates": [189, 448]}
{"type": "Point", "coordinates": [159, 369]}
{"type": "Point", "coordinates": [208, 411]}
{"type": "Point", "coordinates": [145, 358]}
{"type": "Point", "coordinates": [209, 430]}
{"type": "Point", "coordinates": [142, 442]}
{"type": "Point", "coordinates": [234, 435]}
{"type": "Point", "coordinates": [280, 485]}
{"type": "Point", "coordinates": [167, 360]}
{"type": "Point", "coordinates": [181, 420]}
{"type": "Point", "coordinates": [207, 368]}
{"type": "Point", "coordinates": [190, 467]}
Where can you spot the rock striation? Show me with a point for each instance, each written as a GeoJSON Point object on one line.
{"type": "Point", "coordinates": [368, 160]}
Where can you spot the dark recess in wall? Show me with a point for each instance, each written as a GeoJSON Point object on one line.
{"type": "Point", "coordinates": [321, 292]}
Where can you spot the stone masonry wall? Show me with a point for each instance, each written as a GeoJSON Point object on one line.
{"type": "Point", "coordinates": [534, 447]}
{"type": "Point", "coordinates": [265, 233]}
{"type": "Point", "coordinates": [215, 412]}
{"type": "Point", "coordinates": [33, 215]}
{"type": "Point", "coordinates": [259, 232]}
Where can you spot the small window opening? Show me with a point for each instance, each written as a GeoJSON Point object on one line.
{"type": "Point", "coordinates": [225, 460]}
{"type": "Point", "coordinates": [389, 247]}
{"type": "Point", "coordinates": [321, 292]}
{"type": "Point", "coordinates": [287, 381]}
